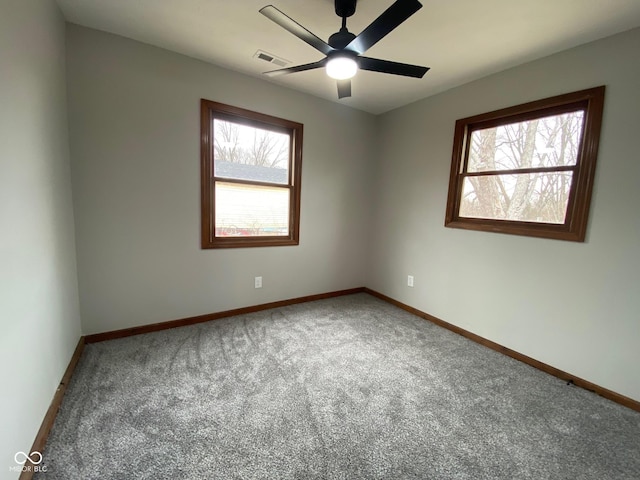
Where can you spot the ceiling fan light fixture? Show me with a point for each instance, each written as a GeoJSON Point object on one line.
{"type": "Point", "coordinates": [342, 67]}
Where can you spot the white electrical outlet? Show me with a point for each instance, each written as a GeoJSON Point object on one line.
{"type": "Point", "coordinates": [410, 280]}
{"type": "Point", "coordinates": [258, 282]}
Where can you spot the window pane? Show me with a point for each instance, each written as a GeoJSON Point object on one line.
{"type": "Point", "coordinates": [544, 142]}
{"type": "Point", "coordinates": [248, 153]}
{"type": "Point", "coordinates": [527, 197]}
{"type": "Point", "coordinates": [249, 210]}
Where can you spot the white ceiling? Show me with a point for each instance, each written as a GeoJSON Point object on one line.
{"type": "Point", "coordinates": [461, 40]}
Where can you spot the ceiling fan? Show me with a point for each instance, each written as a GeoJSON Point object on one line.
{"type": "Point", "coordinates": [343, 52]}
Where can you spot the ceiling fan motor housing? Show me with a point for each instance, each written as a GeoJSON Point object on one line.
{"type": "Point", "coordinates": [341, 39]}
{"type": "Point", "coordinates": [345, 8]}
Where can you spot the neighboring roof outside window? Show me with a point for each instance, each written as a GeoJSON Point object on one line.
{"type": "Point", "coordinates": [256, 173]}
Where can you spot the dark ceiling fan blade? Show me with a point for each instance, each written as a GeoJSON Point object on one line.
{"type": "Point", "coordinates": [344, 88]}
{"type": "Point", "coordinates": [395, 68]}
{"type": "Point", "coordinates": [289, 24]}
{"type": "Point", "coordinates": [384, 24]}
{"type": "Point", "coordinates": [297, 68]}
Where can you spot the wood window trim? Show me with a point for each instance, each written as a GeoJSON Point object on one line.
{"type": "Point", "coordinates": [591, 101]}
{"type": "Point", "coordinates": [210, 110]}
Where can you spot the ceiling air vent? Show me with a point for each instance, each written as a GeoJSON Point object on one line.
{"type": "Point", "coordinates": [267, 57]}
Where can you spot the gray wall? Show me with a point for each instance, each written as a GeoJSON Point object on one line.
{"type": "Point", "coordinates": [575, 306]}
{"type": "Point", "coordinates": [134, 129]}
{"type": "Point", "coordinates": [39, 317]}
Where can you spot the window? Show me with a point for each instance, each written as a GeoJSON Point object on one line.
{"type": "Point", "coordinates": [529, 169]}
{"type": "Point", "coordinates": [250, 178]}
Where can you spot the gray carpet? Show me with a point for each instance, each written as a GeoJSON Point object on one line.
{"type": "Point", "coordinates": [344, 388]}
